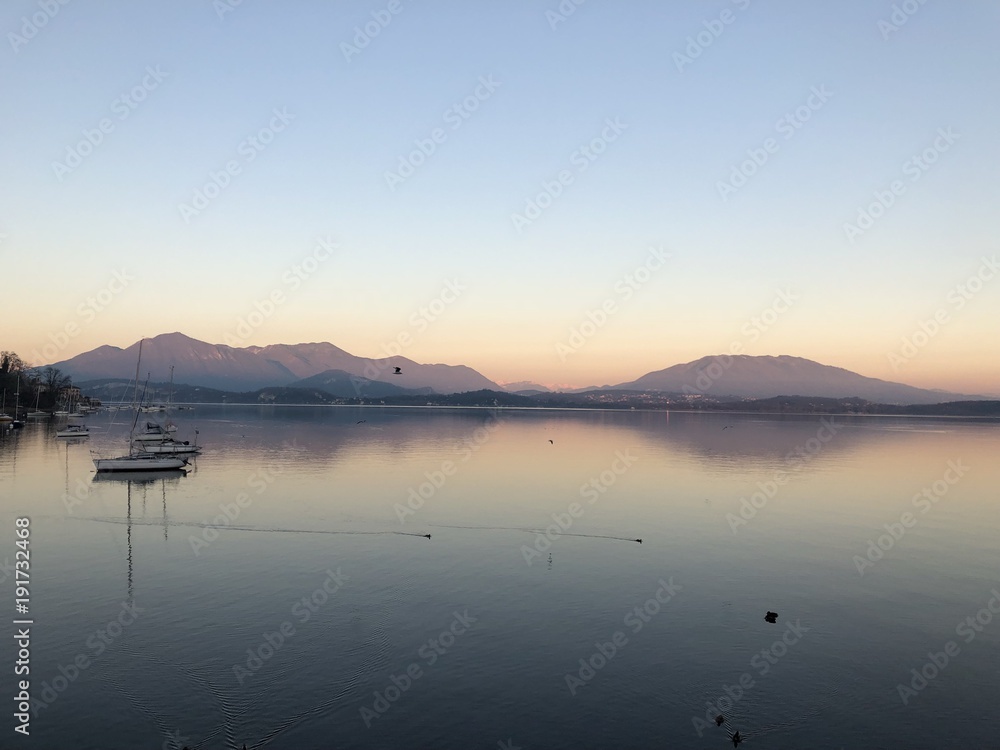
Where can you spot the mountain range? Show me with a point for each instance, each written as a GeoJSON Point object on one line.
{"type": "Point", "coordinates": [253, 367]}
{"type": "Point", "coordinates": [765, 377]}
{"type": "Point", "coordinates": [325, 367]}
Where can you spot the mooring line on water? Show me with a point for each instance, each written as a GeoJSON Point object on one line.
{"type": "Point", "coordinates": [230, 527]}
{"type": "Point", "coordinates": [533, 531]}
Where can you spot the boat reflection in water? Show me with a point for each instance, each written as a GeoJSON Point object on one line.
{"type": "Point", "coordinates": [140, 477]}
{"type": "Point", "coordinates": [143, 480]}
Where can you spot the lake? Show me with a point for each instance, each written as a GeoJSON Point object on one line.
{"type": "Point", "coordinates": [384, 577]}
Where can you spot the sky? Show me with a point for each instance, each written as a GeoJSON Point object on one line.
{"type": "Point", "coordinates": [570, 193]}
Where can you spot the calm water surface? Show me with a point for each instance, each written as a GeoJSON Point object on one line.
{"type": "Point", "coordinates": [324, 618]}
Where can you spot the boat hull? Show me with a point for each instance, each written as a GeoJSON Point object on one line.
{"type": "Point", "coordinates": [140, 463]}
{"type": "Point", "coordinates": [171, 449]}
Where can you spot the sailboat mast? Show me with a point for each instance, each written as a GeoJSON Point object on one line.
{"type": "Point", "coordinates": [135, 394]}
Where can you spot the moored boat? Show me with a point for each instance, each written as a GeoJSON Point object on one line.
{"type": "Point", "coordinates": [140, 461]}
{"type": "Point", "coordinates": [37, 413]}
{"type": "Point", "coordinates": [171, 448]}
{"type": "Point", "coordinates": [153, 432]}
{"type": "Point", "coordinates": [137, 458]}
{"type": "Point", "coordinates": [74, 430]}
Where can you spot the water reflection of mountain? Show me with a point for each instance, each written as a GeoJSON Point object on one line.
{"type": "Point", "coordinates": [789, 441]}
{"type": "Point", "coordinates": [310, 438]}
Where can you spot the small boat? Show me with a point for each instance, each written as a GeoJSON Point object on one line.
{"type": "Point", "coordinates": [172, 448]}
{"type": "Point", "coordinates": [140, 461]}
{"type": "Point", "coordinates": [37, 413]}
{"type": "Point", "coordinates": [15, 422]}
{"type": "Point", "coordinates": [153, 432]}
{"type": "Point", "coordinates": [5, 418]}
{"type": "Point", "coordinates": [74, 430]}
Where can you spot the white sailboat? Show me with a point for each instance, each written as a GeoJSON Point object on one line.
{"type": "Point", "coordinates": [74, 429]}
{"type": "Point", "coordinates": [137, 459]}
{"type": "Point", "coordinates": [5, 418]}
{"type": "Point", "coordinates": [37, 413]}
{"type": "Point", "coordinates": [15, 423]}
{"type": "Point", "coordinates": [153, 432]}
{"type": "Point", "coordinates": [172, 448]}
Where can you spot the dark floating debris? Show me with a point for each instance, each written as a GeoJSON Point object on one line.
{"type": "Point", "coordinates": [771, 616]}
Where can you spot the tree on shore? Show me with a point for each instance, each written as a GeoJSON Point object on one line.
{"type": "Point", "coordinates": [12, 367]}
{"type": "Point", "coordinates": [14, 371]}
{"type": "Point", "coordinates": [54, 380]}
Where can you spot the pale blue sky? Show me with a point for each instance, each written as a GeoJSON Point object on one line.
{"type": "Point", "coordinates": [324, 174]}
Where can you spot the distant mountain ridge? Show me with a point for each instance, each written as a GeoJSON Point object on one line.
{"type": "Point", "coordinates": [246, 369]}
{"type": "Point", "coordinates": [326, 367]}
{"type": "Point", "coordinates": [747, 376]}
